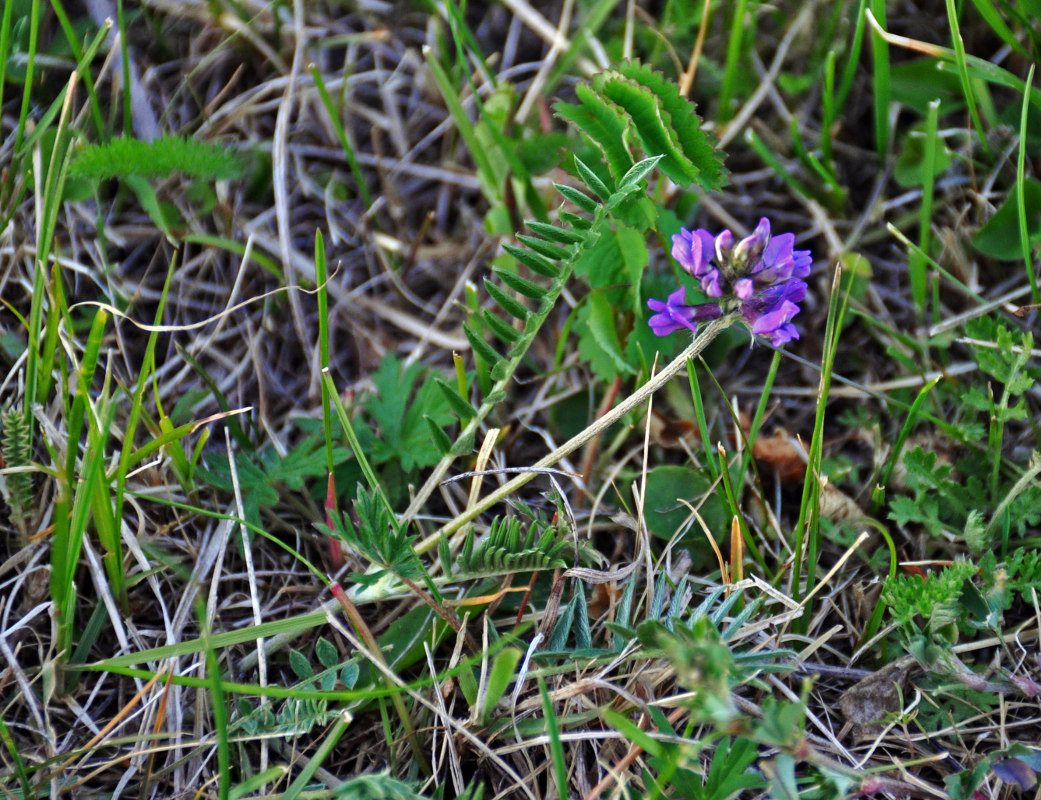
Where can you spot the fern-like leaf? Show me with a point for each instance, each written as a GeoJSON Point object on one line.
{"type": "Point", "coordinates": [378, 537]}
{"type": "Point", "coordinates": [508, 548]}
{"type": "Point", "coordinates": [665, 123]}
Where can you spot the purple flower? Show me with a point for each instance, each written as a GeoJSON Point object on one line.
{"type": "Point", "coordinates": [759, 276]}
{"type": "Point", "coordinates": [674, 314]}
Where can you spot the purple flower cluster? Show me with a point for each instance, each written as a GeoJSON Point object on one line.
{"type": "Point", "coordinates": [759, 276]}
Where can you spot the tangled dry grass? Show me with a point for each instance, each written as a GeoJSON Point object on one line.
{"type": "Point", "coordinates": [241, 331]}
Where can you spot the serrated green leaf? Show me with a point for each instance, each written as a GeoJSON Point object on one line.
{"type": "Point", "coordinates": [670, 119]}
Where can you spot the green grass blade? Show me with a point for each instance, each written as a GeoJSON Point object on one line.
{"type": "Point", "coordinates": [1021, 207]}
{"type": "Point", "coordinates": [963, 74]}
{"type": "Point", "coordinates": [735, 47]}
{"type": "Point", "coordinates": [807, 528]}
{"type": "Point", "coordinates": [341, 134]}
{"type": "Point", "coordinates": [489, 180]}
{"type": "Point", "coordinates": [338, 729]}
{"type": "Point", "coordinates": [880, 82]}
{"type": "Point", "coordinates": [322, 281]}
{"type": "Point", "coordinates": [555, 747]}
{"type": "Point", "coordinates": [916, 266]}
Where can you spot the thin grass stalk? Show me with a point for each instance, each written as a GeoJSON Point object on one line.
{"type": "Point", "coordinates": [322, 290]}
{"type": "Point", "coordinates": [5, 47]}
{"type": "Point", "coordinates": [699, 417]}
{"type": "Point", "coordinates": [1021, 204]}
{"type": "Point", "coordinates": [88, 79]}
{"type": "Point", "coordinates": [757, 418]}
{"type": "Point", "coordinates": [880, 82]}
{"type": "Point", "coordinates": [358, 623]}
{"type": "Point", "coordinates": [905, 431]}
{"type": "Point", "coordinates": [773, 162]}
{"type": "Point", "coordinates": [137, 400]}
{"type": "Point", "coordinates": [979, 68]}
{"type": "Point", "coordinates": [916, 266]}
{"type": "Point", "coordinates": [352, 439]}
{"type": "Point", "coordinates": [829, 110]}
{"type": "Point", "coordinates": [830, 191]}
{"type": "Point", "coordinates": [220, 714]}
{"type": "Point", "coordinates": [489, 180]}
{"type": "Point", "coordinates": [875, 621]}
{"type": "Point", "coordinates": [20, 770]}
{"type": "Point", "coordinates": [67, 543]}
{"type": "Point", "coordinates": [321, 754]}
{"type": "Point", "coordinates": [807, 528]}
{"type": "Point", "coordinates": [556, 749]}
{"type": "Point", "coordinates": [735, 47]}
{"type": "Point", "coordinates": [43, 335]}
{"type": "Point", "coordinates": [963, 75]}
{"type": "Point", "coordinates": [75, 491]}
{"type": "Point", "coordinates": [30, 54]}
{"type": "Point", "coordinates": [735, 507]}
{"type": "Point", "coordinates": [106, 521]}
{"type": "Point", "coordinates": [124, 54]}
{"type": "Point", "coordinates": [993, 19]}
{"type": "Point", "coordinates": [935, 265]}
{"type": "Point", "coordinates": [341, 135]}
{"type": "Point", "coordinates": [849, 71]}
{"type": "Point", "coordinates": [464, 41]}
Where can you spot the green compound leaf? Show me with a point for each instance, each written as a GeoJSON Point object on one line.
{"type": "Point", "coordinates": [665, 123]}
